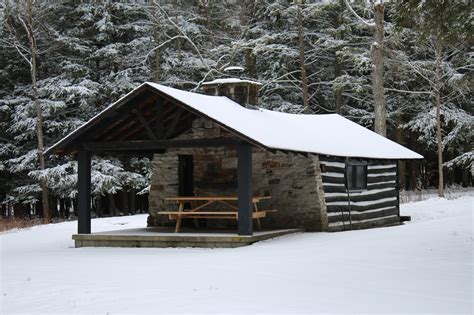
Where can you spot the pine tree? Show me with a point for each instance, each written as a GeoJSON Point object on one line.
{"type": "Point", "coordinates": [23, 33]}
{"type": "Point", "coordinates": [442, 30]}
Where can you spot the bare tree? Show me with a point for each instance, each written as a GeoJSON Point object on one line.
{"type": "Point", "coordinates": [302, 59]}
{"type": "Point", "coordinates": [380, 109]}
{"type": "Point", "coordinates": [23, 11]}
{"type": "Point", "coordinates": [157, 15]}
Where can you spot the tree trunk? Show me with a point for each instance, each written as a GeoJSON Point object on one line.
{"type": "Point", "coordinates": [53, 206]}
{"type": "Point", "coordinates": [439, 139]}
{"type": "Point", "coordinates": [39, 115]}
{"type": "Point", "coordinates": [133, 206]}
{"type": "Point", "coordinates": [251, 63]}
{"type": "Point", "coordinates": [465, 168]}
{"type": "Point", "coordinates": [465, 177]}
{"type": "Point", "coordinates": [304, 78]}
{"type": "Point", "coordinates": [124, 198]}
{"type": "Point", "coordinates": [62, 208]}
{"type": "Point", "coordinates": [209, 23]}
{"type": "Point", "coordinates": [338, 92]}
{"type": "Point", "coordinates": [401, 163]}
{"type": "Point", "coordinates": [157, 38]}
{"type": "Point", "coordinates": [67, 206]}
{"type": "Point", "coordinates": [439, 136]}
{"type": "Point", "coordinates": [338, 62]}
{"type": "Point", "coordinates": [112, 207]}
{"type": "Point", "coordinates": [380, 110]}
{"type": "Point", "coordinates": [99, 207]}
{"type": "Point", "coordinates": [74, 206]}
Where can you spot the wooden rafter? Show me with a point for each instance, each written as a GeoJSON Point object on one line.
{"type": "Point", "coordinates": [111, 122]}
{"type": "Point", "coordinates": [185, 122]}
{"type": "Point", "coordinates": [145, 125]}
{"type": "Point", "coordinates": [120, 129]}
{"type": "Point", "coordinates": [155, 114]}
{"type": "Point", "coordinates": [132, 123]}
{"type": "Point", "coordinates": [120, 118]}
{"type": "Point", "coordinates": [160, 116]}
{"type": "Point", "coordinates": [174, 121]}
{"type": "Point", "coordinates": [118, 123]}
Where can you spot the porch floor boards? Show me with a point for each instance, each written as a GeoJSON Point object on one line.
{"type": "Point", "coordinates": [162, 237]}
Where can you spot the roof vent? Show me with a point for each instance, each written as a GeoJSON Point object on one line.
{"type": "Point", "coordinates": [242, 91]}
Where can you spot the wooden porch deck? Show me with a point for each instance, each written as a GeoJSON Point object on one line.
{"type": "Point", "coordinates": [162, 237]}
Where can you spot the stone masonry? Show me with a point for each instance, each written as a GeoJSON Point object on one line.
{"type": "Point", "coordinates": [293, 181]}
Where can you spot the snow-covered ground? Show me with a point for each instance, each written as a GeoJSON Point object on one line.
{"type": "Point", "coordinates": [453, 192]}
{"type": "Point", "coordinates": [424, 266]}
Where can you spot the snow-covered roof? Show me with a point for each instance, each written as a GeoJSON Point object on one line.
{"type": "Point", "coordinates": [324, 134]}
{"type": "Point", "coordinates": [320, 134]}
{"type": "Point", "coordinates": [230, 80]}
{"type": "Point", "coordinates": [234, 68]}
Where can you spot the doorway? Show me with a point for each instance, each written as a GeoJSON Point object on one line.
{"type": "Point", "coordinates": [186, 184]}
{"type": "Point", "coordinates": [186, 175]}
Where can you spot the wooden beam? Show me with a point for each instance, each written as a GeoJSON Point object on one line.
{"type": "Point", "coordinates": [150, 145]}
{"type": "Point", "coordinates": [116, 128]}
{"type": "Point", "coordinates": [174, 122]}
{"type": "Point", "coordinates": [111, 120]}
{"type": "Point", "coordinates": [67, 144]}
{"type": "Point", "coordinates": [120, 129]}
{"type": "Point", "coordinates": [111, 123]}
{"type": "Point", "coordinates": [244, 190]}
{"type": "Point", "coordinates": [156, 115]}
{"type": "Point", "coordinates": [184, 124]}
{"type": "Point", "coordinates": [143, 121]}
{"type": "Point", "coordinates": [160, 116]}
{"type": "Point", "coordinates": [84, 192]}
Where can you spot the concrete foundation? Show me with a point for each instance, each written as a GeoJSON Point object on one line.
{"type": "Point", "coordinates": [161, 237]}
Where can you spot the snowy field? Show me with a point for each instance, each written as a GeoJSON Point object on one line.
{"type": "Point", "coordinates": [449, 193]}
{"type": "Point", "coordinates": [425, 266]}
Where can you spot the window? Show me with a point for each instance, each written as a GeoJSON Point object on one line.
{"type": "Point", "coordinates": [356, 175]}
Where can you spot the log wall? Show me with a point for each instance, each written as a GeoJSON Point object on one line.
{"type": "Point", "coordinates": [375, 207]}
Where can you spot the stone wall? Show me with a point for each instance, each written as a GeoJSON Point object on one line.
{"type": "Point", "coordinates": [293, 181]}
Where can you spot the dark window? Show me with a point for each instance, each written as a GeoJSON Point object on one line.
{"type": "Point", "coordinates": [323, 168]}
{"type": "Point", "coordinates": [356, 175]}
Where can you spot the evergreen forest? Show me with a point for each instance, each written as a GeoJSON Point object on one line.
{"type": "Point", "coordinates": [62, 62]}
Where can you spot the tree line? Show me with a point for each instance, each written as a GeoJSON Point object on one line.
{"type": "Point", "coordinates": [402, 69]}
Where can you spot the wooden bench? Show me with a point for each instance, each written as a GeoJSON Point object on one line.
{"type": "Point", "coordinates": [200, 211]}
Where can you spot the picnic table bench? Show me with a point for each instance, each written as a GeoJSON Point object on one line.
{"type": "Point", "coordinates": [200, 208]}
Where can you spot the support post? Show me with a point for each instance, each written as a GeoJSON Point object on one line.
{"type": "Point", "coordinates": [244, 182]}
{"type": "Point", "coordinates": [84, 192]}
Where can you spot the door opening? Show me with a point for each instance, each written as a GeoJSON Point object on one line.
{"type": "Point", "coordinates": [186, 175]}
{"type": "Point", "coordinates": [186, 184]}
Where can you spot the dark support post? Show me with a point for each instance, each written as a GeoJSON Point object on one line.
{"type": "Point", "coordinates": [244, 181]}
{"type": "Point", "coordinates": [84, 192]}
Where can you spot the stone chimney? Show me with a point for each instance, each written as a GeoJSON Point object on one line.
{"type": "Point", "coordinates": [244, 92]}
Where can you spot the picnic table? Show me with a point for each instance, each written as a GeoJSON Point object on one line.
{"type": "Point", "coordinates": [200, 208]}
